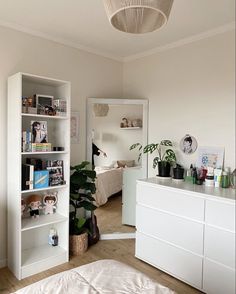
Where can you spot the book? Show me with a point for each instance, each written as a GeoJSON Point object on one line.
{"type": "Point", "coordinates": [26, 141]}
{"type": "Point", "coordinates": [55, 168]}
{"type": "Point", "coordinates": [41, 179]}
{"type": "Point", "coordinates": [36, 162]}
{"type": "Point", "coordinates": [41, 147]}
{"type": "Point", "coordinates": [27, 177]}
{"type": "Point", "coordinates": [39, 132]}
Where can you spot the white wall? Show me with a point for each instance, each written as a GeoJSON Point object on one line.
{"type": "Point", "coordinates": [113, 140]}
{"type": "Point", "coordinates": [90, 76]}
{"type": "Point", "coordinates": [191, 90]}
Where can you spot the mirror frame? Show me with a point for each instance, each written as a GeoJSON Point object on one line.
{"type": "Point", "coordinates": [144, 161]}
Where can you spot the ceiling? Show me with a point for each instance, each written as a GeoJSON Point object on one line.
{"type": "Point", "coordinates": [83, 24]}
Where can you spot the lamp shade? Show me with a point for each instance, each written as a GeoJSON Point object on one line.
{"type": "Point", "coordinates": [138, 16]}
{"type": "Point", "coordinates": [100, 109]}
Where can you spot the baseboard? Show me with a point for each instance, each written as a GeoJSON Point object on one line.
{"type": "Point", "coordinates": [117, 236]}
{"type": "Point", "coordinates": [3, 263]}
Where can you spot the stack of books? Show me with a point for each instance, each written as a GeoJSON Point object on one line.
{"type": "Point", "coordinates": [41, 147]}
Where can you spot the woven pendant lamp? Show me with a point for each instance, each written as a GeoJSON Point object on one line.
{"type": "Point", "coordinates": [138, 16]}
{"type": "Point", "coordinates": [100, 109]}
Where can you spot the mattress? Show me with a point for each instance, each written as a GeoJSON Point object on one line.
{"type": "Point", "coordinates": [108, 183]}
{"type": "Point", "coordinates": [99, 277]}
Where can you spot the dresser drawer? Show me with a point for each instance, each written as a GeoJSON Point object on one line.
{"type": "Point", "coordinates": [174, 229]}
{"type": "Point", "coordinates": [218, 279]}
{"type": "Point", "coordinates": [220, 214]}
{"type": "Point", "coordinates": [175, 261]}
{"type": "Point", "coordinates": [174, 201]}
{"type": "Point", "coordinates": [220, 246]}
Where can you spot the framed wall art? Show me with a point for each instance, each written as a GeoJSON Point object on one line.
{"type": "Point", "coordinates": [74, 127]}
{"type": "Point", "coordinates": [210, 157]}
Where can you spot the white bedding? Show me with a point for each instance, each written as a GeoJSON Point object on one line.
{"type": "Point", "coordinates": [100, 277]}
{"type": "Point", "coordinates": [108, 182]}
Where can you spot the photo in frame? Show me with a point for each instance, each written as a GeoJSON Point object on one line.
{"type": "Point", "coordinates": [188, 144]}
{"type": "Point", "coordinates": [210, 157]}
{"type": "Point", "coordinates": [74, 127]}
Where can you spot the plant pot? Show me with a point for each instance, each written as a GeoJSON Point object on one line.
{"type": "Point", "coordinates": [178, 173]}
{"type": "Point", "coordinates": [78, 244]}
{"type": "Point", "coordinates": [163, 169]}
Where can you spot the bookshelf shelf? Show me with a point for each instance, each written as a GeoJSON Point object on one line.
{"type": "Point", "coordinates": [39, 116]}
{"type": "Point", "coordinates": [41, 257]}
{"type": "Point", "coordinates": [43, 220]}
{"type": "Point", "coordinates": [44, 189]}
{"type": "Point", "coordinates": [28, 248]}
{"type": "Point", "coordinates": [46, 152]}
{"type": "Point", "coordinates": [131, 128]}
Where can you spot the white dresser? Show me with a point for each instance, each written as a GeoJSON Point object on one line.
{"type": "Point", "coordinates": [188, 231]}
{"type": "Point", "coordinates": [130, 176]}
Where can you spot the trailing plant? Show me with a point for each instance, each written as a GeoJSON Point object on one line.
{"type": "Point", "coordinates": [82, 186]}
{"type": "Point", "coordinates": [163, 154]}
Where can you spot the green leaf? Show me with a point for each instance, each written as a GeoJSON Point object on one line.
{"type": "Point", "coordinates": [135, 145]}
{"type": "Point", "coordinates": [87, 205]}
{"type": "Point", "coordinates": [155, 162]}
{"type": "Point", "coordinates": [78, 178]}
{"type": "Point", "coordinates": [139, 156]}
{"type": "Point", "coordinates": [166, 143]}
{"type": "Point", "coordinates": [90, 174]}
{"type": "Point", "coordinates": [80, 166]}
{"type": "Point", "coordinates": [170, 156]}
{"type": "Point", "coordinates": [150, 148]}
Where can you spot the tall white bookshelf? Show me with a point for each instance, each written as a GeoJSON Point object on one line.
{"type": "Point", "coordinates": [28, 248]}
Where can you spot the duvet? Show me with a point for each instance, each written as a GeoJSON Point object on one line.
{"type": "Point", "coordinates": [100, 277]}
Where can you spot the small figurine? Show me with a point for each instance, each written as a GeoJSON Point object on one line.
{"type": "Point", "coordinates": [130, 125]}
{"type": "Point", "coordinates": [49, 201]}
{"type": "Point", "coordinates": [23, 205]}
{"type": "Point", "coordinates": [34, 205]}
{"type": "Point", "coordinates": [124, 122]}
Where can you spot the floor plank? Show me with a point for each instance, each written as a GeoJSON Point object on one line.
{"type": "Point", "coordinates": [109, 217]}
{"type": "Point", "coordinates": [121, 250]}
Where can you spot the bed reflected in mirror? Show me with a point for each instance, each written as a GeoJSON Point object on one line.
{"type": "Point", "coordinates": [113, 126]}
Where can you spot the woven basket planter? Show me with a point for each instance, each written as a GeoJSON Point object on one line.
{"type": "Point", "coordinates": [78, 244]}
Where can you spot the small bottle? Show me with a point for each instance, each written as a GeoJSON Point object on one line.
{"type": "Point", "coordinates": [53, 237]}
{"type": "Point", "coordinates": [194, 175]}
{"type": "Point", "coordinates": [225, 180]}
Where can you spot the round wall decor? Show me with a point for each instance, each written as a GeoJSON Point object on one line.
{"type": "Point", "coordinates": [188, 144]}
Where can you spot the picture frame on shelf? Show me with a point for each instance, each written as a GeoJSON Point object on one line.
{"type": "Point", "coordinates": [56, 173]}
{"type": "Point", "coordinates": [44, 104]}
{"type": "Point", "coordinates": [39, 131]}
{"type": "Point", "coordinates": [74, 127]}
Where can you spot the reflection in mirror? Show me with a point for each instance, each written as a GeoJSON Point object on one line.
{"type": "Point", "coordinates": [110, 136]}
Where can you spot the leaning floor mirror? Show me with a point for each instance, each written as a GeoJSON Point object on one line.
{"type": "Point", "coordinates": [116, 132]}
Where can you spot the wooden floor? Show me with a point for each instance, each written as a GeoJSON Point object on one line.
{"type": "Point", "coordinates": [121, 250]}
{"type": "Point", "coordinates": [109, 217]}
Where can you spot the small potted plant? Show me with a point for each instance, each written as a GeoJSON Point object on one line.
{"type": "Point", "coordinates": [165, 156]}
{"type": "Point", "coordinates": [82, 186]}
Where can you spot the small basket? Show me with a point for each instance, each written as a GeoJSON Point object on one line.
{"type": "Point", "coordinates": [78, 244]}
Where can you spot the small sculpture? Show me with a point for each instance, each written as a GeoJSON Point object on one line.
{"type": "Point", "coordinates": [124, 122]}
{"type": "Point", "coordinates": [137, 122]}
{"type": "Point", "coordinates": [49, 201]}
{"type": "Point", "coordinates": [34, 205]}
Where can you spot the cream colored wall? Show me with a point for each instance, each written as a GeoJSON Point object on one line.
{"type": "Point", "coordinates": [191, 90]}
{"type": "Point", "coordinates": [90, 76]}
{"type": "Point", "coordinates": [112, 139]}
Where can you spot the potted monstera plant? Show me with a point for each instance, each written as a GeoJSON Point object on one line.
{"type": "Point", "coordinates": [165, 156]}
{"type": "Point", "coordinates": [82, 187]}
